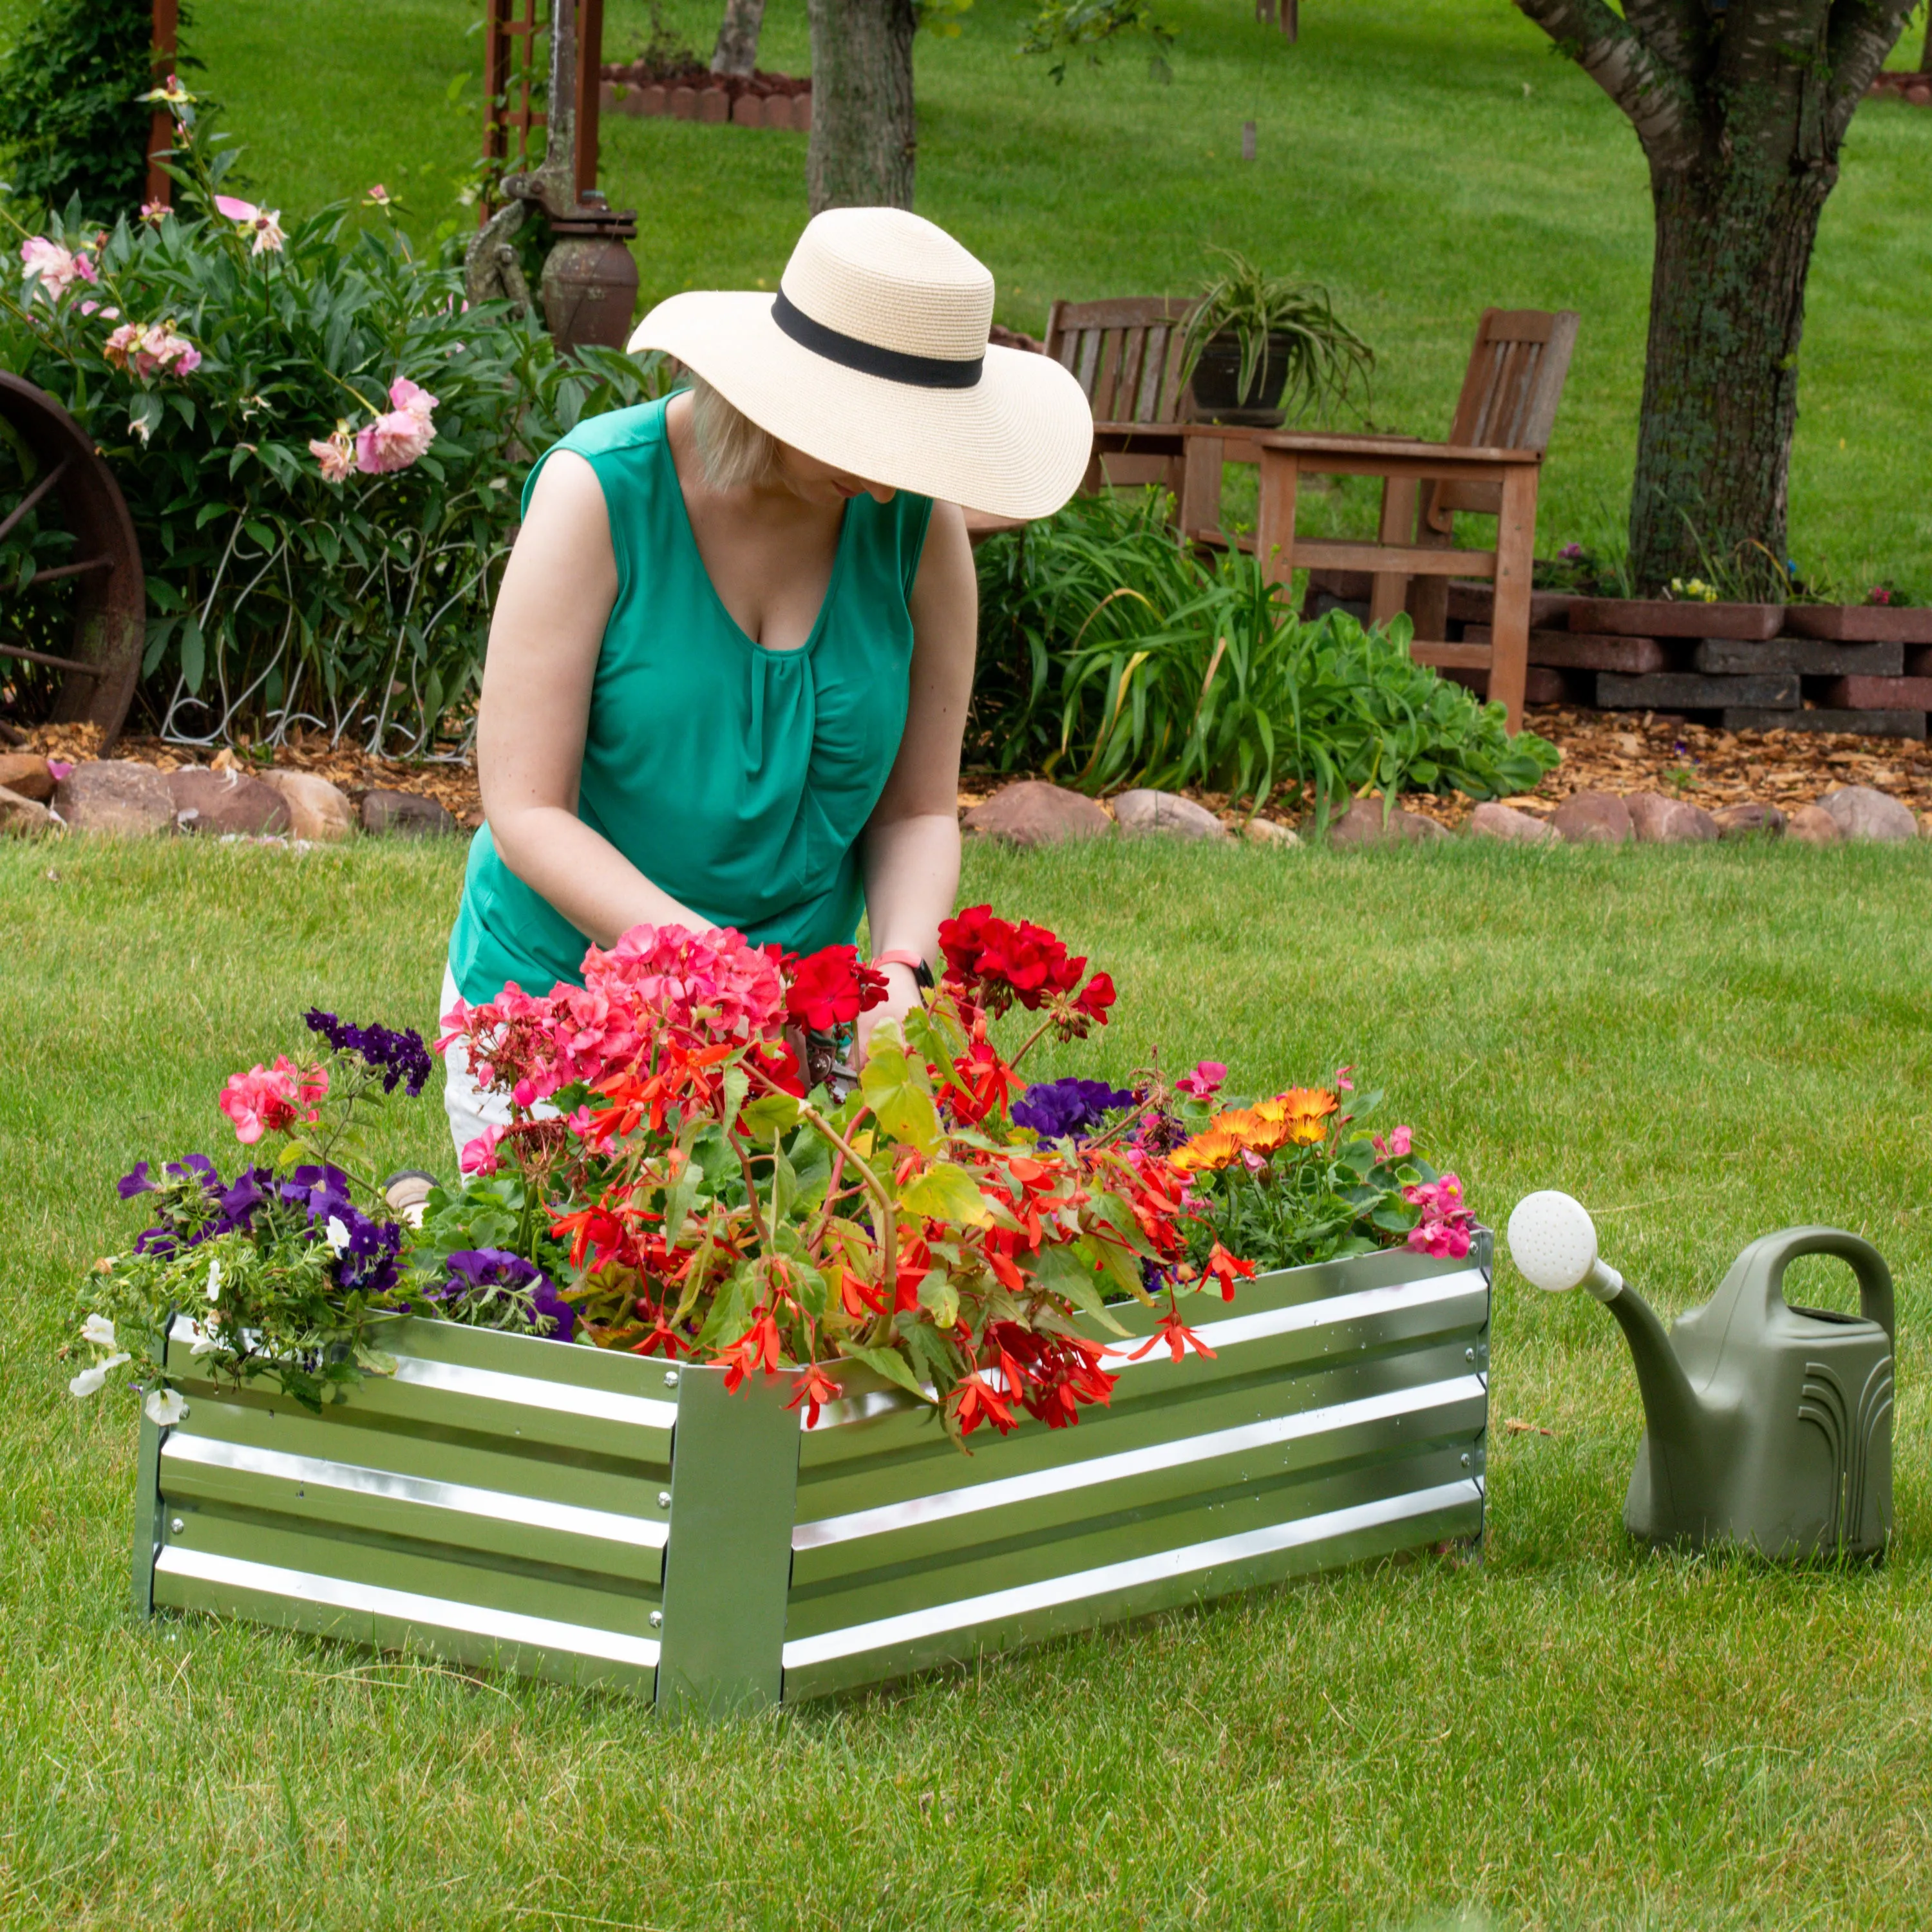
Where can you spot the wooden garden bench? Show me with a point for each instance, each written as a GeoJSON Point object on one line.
{"type": "Point", "coordinates": [1489, 467]}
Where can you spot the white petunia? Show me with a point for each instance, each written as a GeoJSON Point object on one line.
{"type": "Point", "coordinates": [89, 1380]}
{"type": "Point", "coordinates": [214, 1279]}
{"type": "Point", "coordinates": [204, 1339]}
{"type": "Point", "coordinates": [98, 1330]}
{"type": "Point", "coordinates": [165, 1407]}
{"type": "Point", "coordinates": [336, 1235]}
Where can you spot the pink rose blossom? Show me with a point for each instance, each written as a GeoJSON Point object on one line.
{"type": "Point", "coordinates": [335, 458]}
{"type": "Point", "coordinates": [265, 225]}
{"type": "Point", "coordinates": [152, 349]}
{"type": "Point", "coordinates": [268, 1099]}
{"type": "Point", "coordinates": [55, 268]}
{"type": "Point", "coordinates": [393, 442]}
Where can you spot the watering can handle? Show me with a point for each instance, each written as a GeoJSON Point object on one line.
{"type": "Point", "coordinates": [1777, 1251]}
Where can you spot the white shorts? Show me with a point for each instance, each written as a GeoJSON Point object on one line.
{"type": "Point", "coordinates": [470, 1109]}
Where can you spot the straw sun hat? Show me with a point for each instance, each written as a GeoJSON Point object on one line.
{"type": "Point", "coordinates": [874, 358]}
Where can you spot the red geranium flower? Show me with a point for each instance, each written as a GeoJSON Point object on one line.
{"type": "Point", "coordinates": [831, 988]}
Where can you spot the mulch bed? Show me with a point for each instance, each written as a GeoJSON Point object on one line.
{"type": "Point", "coordinates": [1621, 752]}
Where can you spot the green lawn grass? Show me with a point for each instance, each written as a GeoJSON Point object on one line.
{"type": "Point", "coordinates": [1704, 1045]}
{"type": "Point", "coordinates": [1423, 158]}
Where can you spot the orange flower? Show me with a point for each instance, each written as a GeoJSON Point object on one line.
{"type": "Point", "coordinates": [1255, 1127]}
{"type": "Point", "coordinates": [1211, 1148]}
{"type": "Point", "coordinates": [1304, 1112]}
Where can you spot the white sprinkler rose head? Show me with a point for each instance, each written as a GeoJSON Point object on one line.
{"type": "Point", "coordinates": [1553, 1242]}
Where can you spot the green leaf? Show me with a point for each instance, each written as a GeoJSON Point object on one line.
{"type": "Point", "coordinates": [769, 1113]}
{"type": "Point", "coordinates": [939, 1298]}
{"type": "Point", "coordinates": [1069, 1272]}
{"type": "Point", "coordinates": [894, 1088]}
{"type": "Point", "coordinates": [193, 652]}
{"type": "Point", "coordinates": [945, 1192]}
{"type": "Point", "coordinates": [889, 1363]}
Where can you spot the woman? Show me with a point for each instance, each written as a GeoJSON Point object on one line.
{"type": "Point", "coordinates": [729, 669]}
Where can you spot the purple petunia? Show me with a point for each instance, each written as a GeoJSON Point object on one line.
{"type": "Point", "coordinates": [398, 1056]}
{"type": "Point", "coordinates": [470, 1269]}
{"type": "Point", "coordinates": [1063, 1109]}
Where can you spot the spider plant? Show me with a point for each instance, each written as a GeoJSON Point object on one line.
{"type": "Point", "coordinates": [1275, 319]}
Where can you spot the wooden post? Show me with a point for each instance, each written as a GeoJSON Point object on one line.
{"type": "Point", "coordinates": [1274, 532]}
{"type": "Point", "coordinates": [1291, 19]}
{"type": "Point", "coordinates": [589, 59]}
{"type": "Point", "coordinates": [1389, 589]}
{"type": "Point", "coordinates": [161, 122]}
{"type": "Point", "coordinates": [1509, 633]}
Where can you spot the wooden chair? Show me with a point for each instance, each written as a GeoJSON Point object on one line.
{"type": "Point", "coordinates": [1125, 355]}
{"type": "Point", "coordinates": [1488, 467]}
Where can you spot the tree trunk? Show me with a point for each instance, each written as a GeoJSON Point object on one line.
{"type": "Point", "coordinates": [862, 112]}
{"type": "Point", "coordinates": [1733, 246]}
{"type": "Point", "coordinates": [1925, 52]}
{"type": "Point", "coordinates": [737, 50]}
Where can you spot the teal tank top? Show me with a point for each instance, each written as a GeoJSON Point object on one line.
{"type": "Point", "coordinates": [736, 779]}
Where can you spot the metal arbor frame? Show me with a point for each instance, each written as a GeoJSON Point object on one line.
{"type": "Point", "coordinates": [515, 78]}
{"type": "Point", "coordinates": [605, 1519]}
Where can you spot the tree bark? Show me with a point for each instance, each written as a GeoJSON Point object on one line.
{"type": "Point", "coordinates": [1720, 372]}
{"type": "Point", "coordinates": [863, 142]}
{"type": "Point", "coordinates": [1741, 114]}
{"type": "Point", "coordinates": [737, 52]}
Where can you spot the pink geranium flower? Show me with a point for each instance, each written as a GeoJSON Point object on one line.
{"type": "Point", "coordinates": [1444, 1229]}
{"type": "Point", "coordinates": [480, 1155]}
{"type": "Point", "coordinates": [1204, 1082]}
{"type": "Point", "coordinates": [1396, 1147]}
{"type": "Point", "coordinates": [269, 1100]}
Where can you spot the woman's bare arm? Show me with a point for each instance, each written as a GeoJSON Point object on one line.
{"type": "Point", "coordinates": [558, 589]}
{"type": "Point", "coordinates": [912, 842]}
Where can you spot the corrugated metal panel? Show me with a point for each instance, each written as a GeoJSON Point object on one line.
{"type": "Point", "coordinates": [499, 1498]}
{"type": "Point", "coordinates": [1342, 1415]}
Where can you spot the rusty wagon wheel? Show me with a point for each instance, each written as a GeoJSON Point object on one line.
{"type": "Point", "coordinates": [99, 668]}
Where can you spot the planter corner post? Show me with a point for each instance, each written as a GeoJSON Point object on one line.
{"type": "Point", "coordinates": [147, 1517]}
{"type": "Point", "coordinates": [728, 1556]}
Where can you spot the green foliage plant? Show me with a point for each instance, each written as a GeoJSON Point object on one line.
{"type": "Point", "coordinates": [1062, 27]}
{"type": "Point", "coordinates": [71, 121]}
{"type": "Point", "coordinates": [1290, 325]}
{"type": "Point", "coordinates": [1135, 663]}
{"type": "Point", "coordinates": [297, 573]}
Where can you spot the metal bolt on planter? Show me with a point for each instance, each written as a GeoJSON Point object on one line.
{"type": "Point", "coordinates": [505, 1501]}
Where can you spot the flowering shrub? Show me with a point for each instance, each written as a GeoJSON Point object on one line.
{"type": "Point", "coordinates": [320, 444]}
{"type": "Point", "coordinates": [668, 1184]}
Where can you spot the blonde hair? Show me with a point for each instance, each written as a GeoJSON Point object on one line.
{"type": "Point", "coordinates": [735, 451]}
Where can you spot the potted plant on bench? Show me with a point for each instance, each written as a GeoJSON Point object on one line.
{"type": "Point", "coordinates": [1261, 348]}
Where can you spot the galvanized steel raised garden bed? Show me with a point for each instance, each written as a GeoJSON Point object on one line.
{"type": "Point", "coordinates": [607, 1519]}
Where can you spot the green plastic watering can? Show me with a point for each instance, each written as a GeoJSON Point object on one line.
{"type": "Point", "coordinates": [1765, 1425]}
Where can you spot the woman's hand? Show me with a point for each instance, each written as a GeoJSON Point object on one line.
{"type": "Point", "coordinates": [902, 995]}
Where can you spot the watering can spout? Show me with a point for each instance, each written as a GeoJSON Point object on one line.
{"type": "Point", "coordinates": [1553, 1241]}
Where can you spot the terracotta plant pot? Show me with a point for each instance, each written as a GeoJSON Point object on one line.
{"type": "Point", "coordinates": [604, 1518]}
